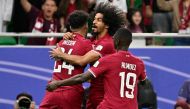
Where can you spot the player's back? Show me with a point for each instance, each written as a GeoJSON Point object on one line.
{"type": "Point", "coordinates": [62, 70]}
{"type": "Point", "coordinates": [123, 70]}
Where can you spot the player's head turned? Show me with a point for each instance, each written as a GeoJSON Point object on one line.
{"type": "Point", "coordinates": [78, 20]}
{"type": "Point", "coordinates": [122, 39]}
{"type": "Point", "coordinates": [112, 17]}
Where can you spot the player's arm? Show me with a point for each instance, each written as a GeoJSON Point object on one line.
{"type": "Point", "coordinates": [77, 79]}
{"type": "Point", "coordinates": [89, 57]}
{"type": "Point", "coordinates": [26, 5]}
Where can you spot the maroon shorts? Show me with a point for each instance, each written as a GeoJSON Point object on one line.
{"type": "Point", "coordinates": [64, 99]}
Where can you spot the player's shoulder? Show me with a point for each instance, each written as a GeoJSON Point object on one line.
{"type": "Point", "coordinates": [107, 40]}
{"type": "Point", "coordinates": [110, 57]}
{"type": "Point", "coordinates": [106, 44]}
{"type": "Point", "coordinates": [60, 43]}
{"type": "Point", "coordinates": [81, 38]}
{"type": "Point", "coordinates": [135, 57]}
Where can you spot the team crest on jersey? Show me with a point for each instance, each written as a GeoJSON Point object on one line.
{"type": "Point", "coordinates": [69, 42]}
{"type": "Point", "coordinates": [99, 47]}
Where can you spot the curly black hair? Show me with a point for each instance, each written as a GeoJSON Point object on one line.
{"type": "Point", "coordinates": [112, 16]}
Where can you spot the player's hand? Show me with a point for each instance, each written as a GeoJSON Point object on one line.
{"type": "Point", "coordinates": [52, 86]}
{"type": "Point", "coordinates": [68, 36]}
{"type": "Point", "coordinates": [55, 53]}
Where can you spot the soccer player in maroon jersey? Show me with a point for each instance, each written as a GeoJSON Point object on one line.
{"type": "Point", "coordinates": [121, 72]}
{"type": "Point", "coordinates": [69, 97]}
{"type": "Point", "coordinates": [107, 19]}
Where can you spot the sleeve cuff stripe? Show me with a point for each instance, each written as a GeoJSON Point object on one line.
{"type": "Point", "coordinates": [97, 53]}
{"type": "Point", "coordinates": [92, 72]}
{"type": "Point", "coordinates": [144, 78]}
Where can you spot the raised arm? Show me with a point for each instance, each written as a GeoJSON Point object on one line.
{"type": "Point", "coordinates": [77, 79]}
{"type": "Point", "coordinates": [165, 5]}
{"type": "Point", "coordinates": [26, 5]}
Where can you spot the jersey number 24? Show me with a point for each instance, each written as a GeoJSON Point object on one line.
{"type": "Point", "coordinates": [64, 65]}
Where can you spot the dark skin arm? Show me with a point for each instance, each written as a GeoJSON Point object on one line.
{"type": "Point", "coordinates": [77, 79]}
{"type": "Point", "coordinates": [89, 57]}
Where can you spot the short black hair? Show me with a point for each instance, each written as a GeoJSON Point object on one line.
{"type": "Point", "coordinates": [124, 35]}
{"type": "Point", "coordinates": [77, 19]}
{"type": "Point", "coordinates": [24, 94]}
{"type": "Point", "coordinates": [112, 16]}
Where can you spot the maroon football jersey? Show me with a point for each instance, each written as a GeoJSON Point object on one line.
{"type": "Point", "coordinates": [103, 46]}
{"type": "Point", "coordinates": [63, 70]}
{"type": "Point", "coordinates": [121, 72]}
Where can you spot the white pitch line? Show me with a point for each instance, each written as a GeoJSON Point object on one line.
{"type": "Point", "coordinates": [169, 70]}
{"type": "Point", "coordinates": [8, 63]}
{"type": "Point", "coordinates": [165, 100]}
{"type": "Point", "coordinates": [21, 73]}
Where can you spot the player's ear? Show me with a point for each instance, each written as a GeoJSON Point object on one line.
{"type": "Point", "coordinates": [116, 42]}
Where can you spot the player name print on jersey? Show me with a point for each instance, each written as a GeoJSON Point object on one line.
{"type": "Point", "coordinates": [128, 66]}
{"type": "Point", "coordinates": [69, 42]}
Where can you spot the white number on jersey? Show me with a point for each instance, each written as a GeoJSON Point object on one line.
{"type": "Point", "coordinates": [64, 65]}
{"type": "Point", "coordinates": [127, 84]}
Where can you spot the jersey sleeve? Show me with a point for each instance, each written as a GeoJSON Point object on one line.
{"type": "Point", "coordinates": [142, 75]}
{"type": "Point", "coordinates": [88, 46]}
{"type": "Point", "coordinates": [104, 49]}
{"type": "Point", "coordinates": [99, 67]}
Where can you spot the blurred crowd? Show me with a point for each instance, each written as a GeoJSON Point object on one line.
{"type": "Point", "coordinates": [143, 16]}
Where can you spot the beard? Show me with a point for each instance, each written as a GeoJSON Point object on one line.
{"type": "Point", "coordinates": [94, 34]}
{"type": "Point", "coordinates": [94, 31]}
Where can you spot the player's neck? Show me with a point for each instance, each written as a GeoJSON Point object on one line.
{"type": "Point", "coordinates": [81, 32]}
{"type": "Point", "coordinates": [102, 34]}
{"type": "Point", "coordinates": [123, 49]}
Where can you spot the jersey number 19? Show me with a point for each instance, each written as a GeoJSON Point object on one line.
{"type": "Point", "coordinates": [125, 82]}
